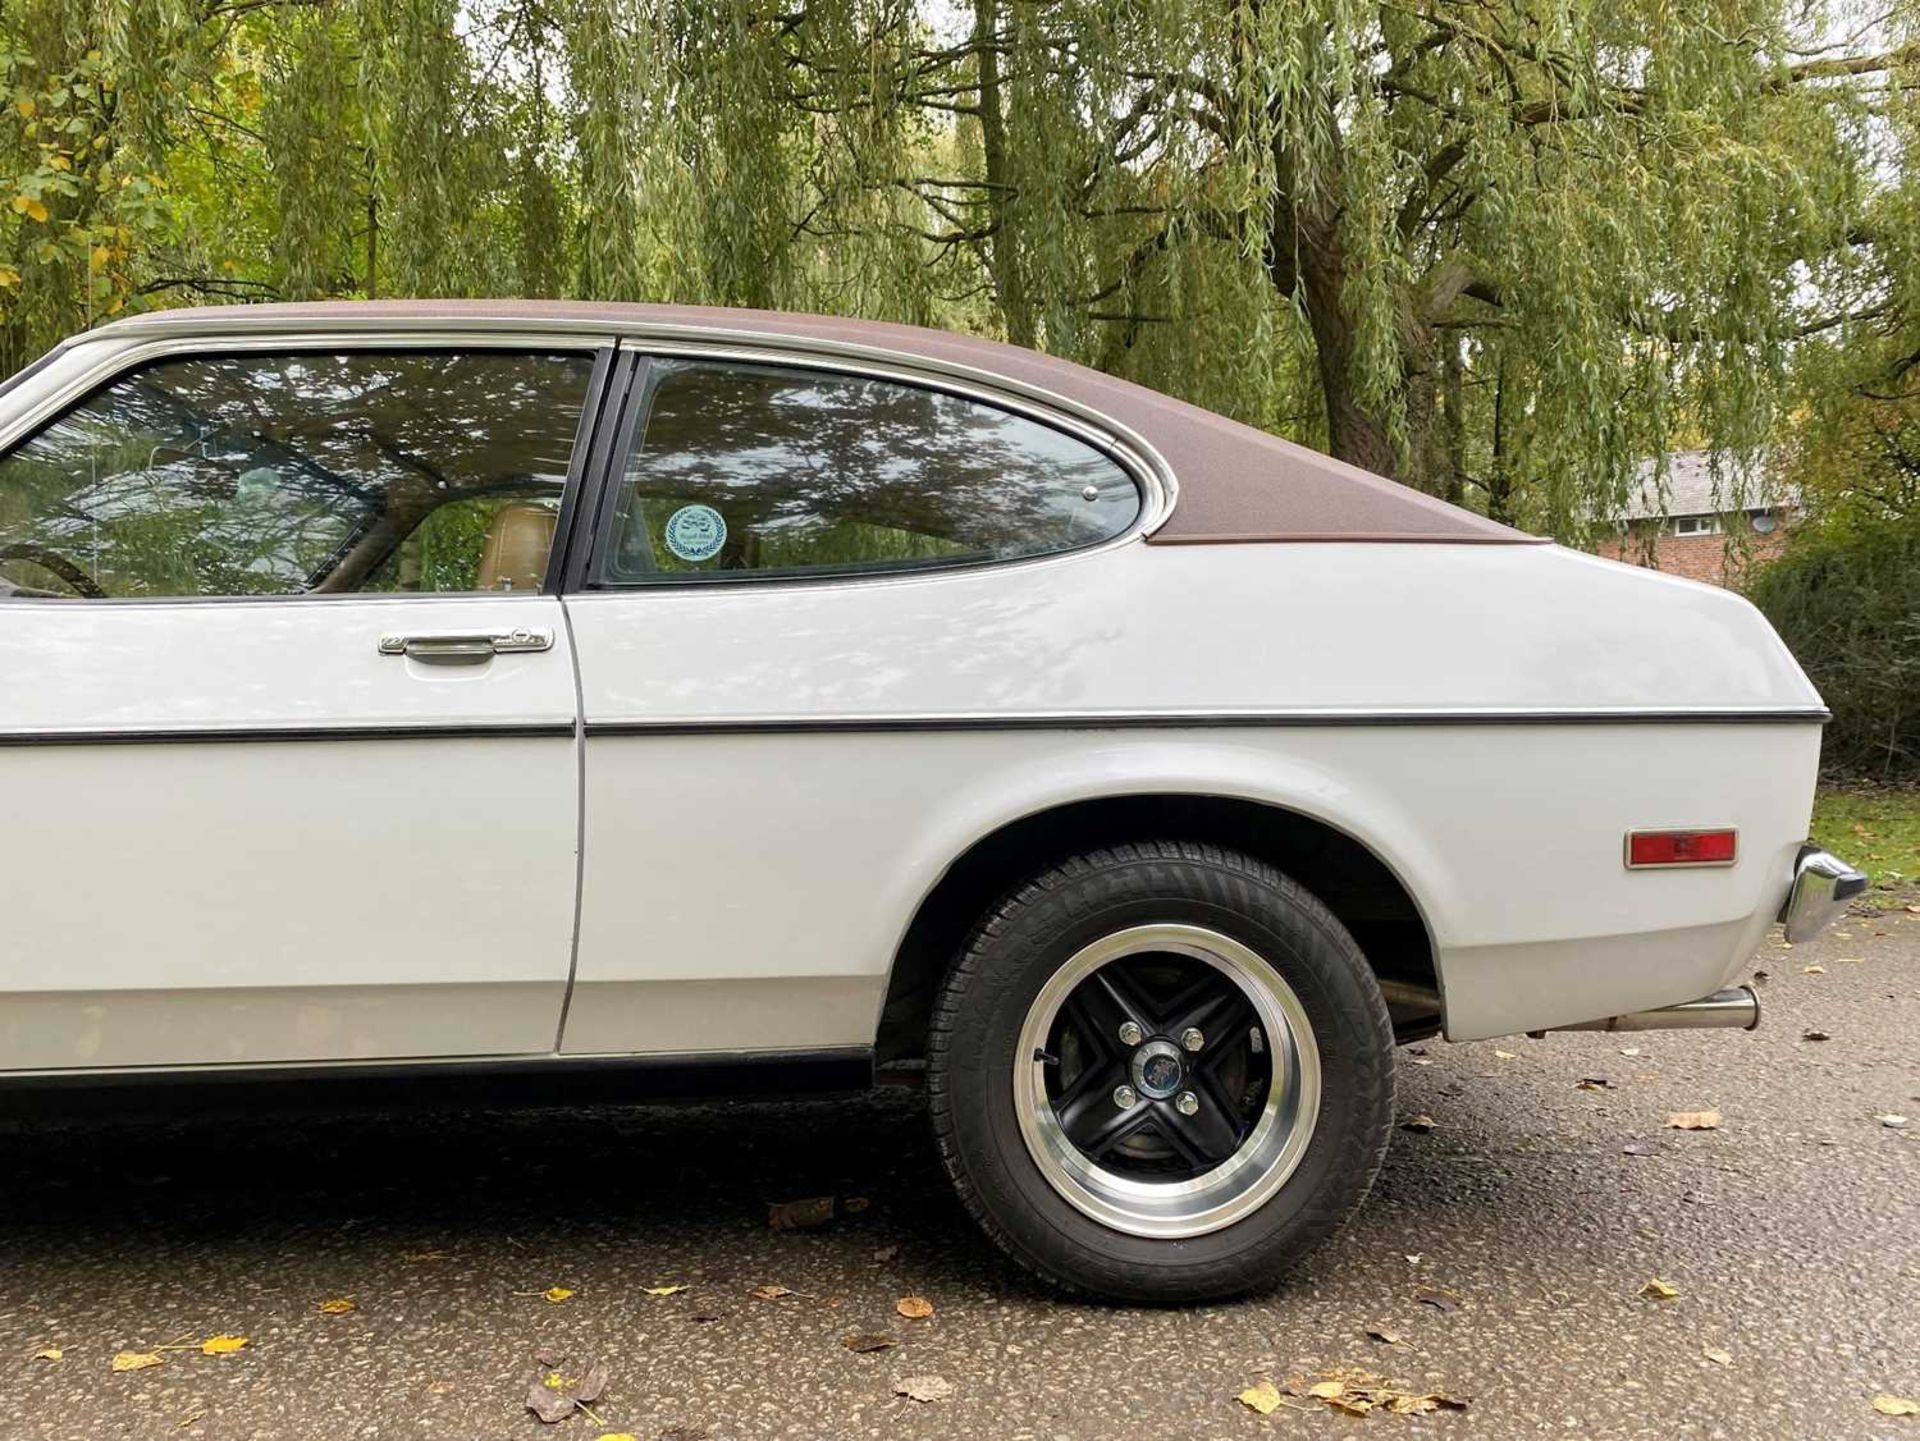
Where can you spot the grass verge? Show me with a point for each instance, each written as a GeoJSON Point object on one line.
{"type": "Point", "coordinates": [1876, 828]}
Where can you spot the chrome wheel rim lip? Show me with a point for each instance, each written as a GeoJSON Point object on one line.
{"type": "Point", "coordinates": [1238, 1186]}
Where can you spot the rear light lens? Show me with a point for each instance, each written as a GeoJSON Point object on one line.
{"type": "Point", "coordinates": [1681, 848]}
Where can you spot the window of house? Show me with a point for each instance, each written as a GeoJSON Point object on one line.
{"type": "Point", "coordinates": [294, 474]}
{"type": "Point", "coordinates": [1696, 525]}
{"type": "Point", "coordinates": [754, 471]}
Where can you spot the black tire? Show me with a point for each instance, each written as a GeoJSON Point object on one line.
{"type": "Point", "coordinates": [983, 1005]}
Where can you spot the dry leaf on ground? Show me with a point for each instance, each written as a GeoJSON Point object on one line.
{"type": "Point", "coordinates": [557, 1294]}
{"type": "Point", "coordinates": [1262, 1396]}
{"type": "Point", "coordinates": [914, 1308]}
{"type": "Point", "coordinates": [669, 1290]}
{"type": "Point", "coordinates": [1418, 1123]}
{"type": "Point", "coordinates": [1694, 1120]}
{"type": "Point", "coordinates": [1892, 1123]}
{"type": "Point", "coordinates": [1659, 1290]}
{"type": "Point", "coordinates": [771, 1293]}
{"type": "Point", "coordinates": [864, 1342]}
{"type": "Point", "coordinates": [1639, 1148]}
{"type": "Point", "coordinates": [1895, 1406]}
{"type": "Point", "coordinates": [924, 1388]}
{"type": "Point", "coordinates": [1355, 1393]}
{"type": "Point", "coordinates": [800, 1215]}
{"type": "Point", "coordinates": [1813, 970]}
{"type": "Point", "coordinates": [337, 1307]}
{"type": "Point", "coordinates": [223, 1345]}
{"type": "Point", "coordinates": [1815, 1035]}
{"type": "Point", "coordinates": [553, 1396]}
{"type": "Point", "coordinates": [137, 1360]}
{"type": "Point", "coordinates": [1384, 1334]}
{"type": "Point", "coordinates": [48, 1353]}
{"type": "Point", "coordinates": [617, 1436]}
{"type": "Point", "coordinates": [1593, 1083]}
{"type": "Point", "coordinates": [1717, 1356]}
{"type": "Point", "coordinates": [884, 1254]}
{"type": "Point", "coordinates": [1507, 1055]}
{"type": "Point", "coordinates": [1442, 1301]}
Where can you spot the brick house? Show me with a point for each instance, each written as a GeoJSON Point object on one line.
{"type": "Point", "coordinates": [1699, 530]}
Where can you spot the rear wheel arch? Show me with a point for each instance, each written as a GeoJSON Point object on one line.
{"type": "Point", "coordinates": [1364, 893]}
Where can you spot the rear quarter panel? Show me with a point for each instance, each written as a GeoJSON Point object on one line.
{"type": "Point", "coordinates": [777, 775]}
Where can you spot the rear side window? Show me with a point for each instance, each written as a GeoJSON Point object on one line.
{"type": "Point", "coordinates": [299, 473]}
{"type": "Point", "coordinates": [740, 472]}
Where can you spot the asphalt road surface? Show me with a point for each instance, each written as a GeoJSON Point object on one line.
{"type": "Point", "coordinates": [1791, 1234]}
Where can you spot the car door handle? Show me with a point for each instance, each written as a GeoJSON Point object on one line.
{"type": "Point", "coordinates": [466, 647]}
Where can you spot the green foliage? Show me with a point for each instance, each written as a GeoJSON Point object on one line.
{"type": "Point", "coordinates": [1503, 252]}
{"type": "Point", "coordinates": [1846, 599]}
{"type": "Point", "coordinates": [1876, 828]}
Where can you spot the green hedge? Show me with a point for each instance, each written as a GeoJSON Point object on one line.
{"type": "Point", "coordinates": [1848, 603]}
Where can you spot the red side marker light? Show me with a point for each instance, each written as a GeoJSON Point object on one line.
{"type": "Point", "coordinates": [1681, 848]}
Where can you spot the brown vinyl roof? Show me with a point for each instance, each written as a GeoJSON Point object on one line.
{"type": "Point", "coordinates": [1235, 483]}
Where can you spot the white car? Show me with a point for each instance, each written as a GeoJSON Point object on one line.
{"type": "Point", "coordinates": [617, 694]}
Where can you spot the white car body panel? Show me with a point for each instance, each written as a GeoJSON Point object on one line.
{"type": "Point", "coordinates": [775, 775]}
{"type": "Point", "coordinates": [192, 901]}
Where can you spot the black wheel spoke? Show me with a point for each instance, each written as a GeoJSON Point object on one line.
{"type": "Point", "coordinates": [1095, 1125]}
{"type": "Point", "coordinates": [1102, 1004]}
{"type": "Point", "coordinates": [1223, 1016]}
{"type": "Point", "coordinates": [1207, 1137]}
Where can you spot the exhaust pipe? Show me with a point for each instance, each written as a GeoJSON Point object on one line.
{"type": "Point", "coordinates": [1735, 1007]}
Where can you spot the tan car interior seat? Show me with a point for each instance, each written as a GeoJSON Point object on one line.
{"type": "Point", "coordinates": [518, 543]}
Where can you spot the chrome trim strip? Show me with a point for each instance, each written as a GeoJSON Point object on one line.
{"type": "Point", "coordinates": [868, 725]}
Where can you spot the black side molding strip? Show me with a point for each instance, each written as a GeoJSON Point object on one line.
{"type": "Point", "coordinates": [806, 725]}
{"type": "Point", "coordinates": [513, 1081]}
{"type": "Point", "coordinates": [1240, 720]}
{"type": "Point", "coordinates": [255, 734]}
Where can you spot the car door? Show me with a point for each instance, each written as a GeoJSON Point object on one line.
{"type": "Point", "coordinates": [287, 726]}
{"type": "Point", "coordinates": [796, 584]}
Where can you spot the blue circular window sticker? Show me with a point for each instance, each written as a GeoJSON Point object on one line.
{"type": "Point", "coordinates": [696, 532]}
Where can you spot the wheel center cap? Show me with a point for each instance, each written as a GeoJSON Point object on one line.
{"type": "Point", "coordinates": [1158, 1070]}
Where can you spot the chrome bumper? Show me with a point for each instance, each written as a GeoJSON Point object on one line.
{"type": "Point", "coordinates": [1822, 886]}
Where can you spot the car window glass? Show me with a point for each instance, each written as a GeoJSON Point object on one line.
{"type": "Point", "coordinates": [263, 475]}
{"type": "Point", "coordinates": [751, 471]}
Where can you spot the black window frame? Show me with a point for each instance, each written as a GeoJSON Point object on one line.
{"type": "Point", "coordinates": [629, 400]}
{"type": "Point", "coordinates": [608, 363]}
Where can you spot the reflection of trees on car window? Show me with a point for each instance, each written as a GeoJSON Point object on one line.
{"type": "Point", "coordinates": [815, 471]}
{"type": "Point", "coordinates": [278, 474]}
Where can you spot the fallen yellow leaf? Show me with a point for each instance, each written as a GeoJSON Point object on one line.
{"type": "Point", "coordinates": [618, 1436]}
{"type": "Point", "coordinates": [48, 1353]}
{"type": "Point", "coordinates": [772, 1292]}
{"type": "Point", "coordinates": [27, 108]}
{"type": "Point", "coordinates": [137, 1360]}
{"type": "Point", "coordinates": [1659, 1290]}
{"type": "Point", "coordinates": [338, 1307]}
{"type": "Point", "coordinates": [914, 1308]}
{"type": "Point", "coordinates": [1813, 970]}
{"type": "Point", "coordinates": [1717, 1356]}
{"type": "Point", "coordinates": [1895, 1406]}
{"type": "Point", "coordinates": [1506, 1055]}
{"type": "Point", "coordinates": [557, 1294]}
{"type": "Point", "coordinates": [1694, 1120]}
{"type": "Point", "coordinates": [1327, 1390]}
{"type": "Point", "coordinates": [223, 1345]}
{"type": "Point", "coordinates": [674, 1290]}
{"type": "Point", "coordinates": [1262, 1396]}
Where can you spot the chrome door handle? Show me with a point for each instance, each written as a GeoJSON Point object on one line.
{"type": "Point", "coordinates": [466, 647]}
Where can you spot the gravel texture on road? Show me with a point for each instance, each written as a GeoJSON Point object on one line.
{"type": "Point", "coordinates": [1527, 1216]}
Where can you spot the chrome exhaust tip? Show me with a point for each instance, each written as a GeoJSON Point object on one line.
{"type": "Point", "coordinates": [1736, 1007]}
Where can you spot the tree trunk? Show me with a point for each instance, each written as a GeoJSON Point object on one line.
{"type": "Point", "coordinates": [1003, 262]}
{"type": "Point", "coordinates": [1355, 433]}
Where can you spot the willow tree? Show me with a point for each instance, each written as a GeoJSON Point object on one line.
{"type": "Point", "coordinates": [1502, 251]}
